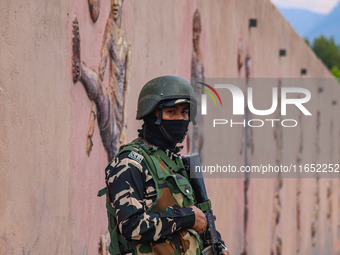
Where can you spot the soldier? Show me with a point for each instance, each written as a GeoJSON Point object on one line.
{"type": "Point", "coordinates": [151, 207]}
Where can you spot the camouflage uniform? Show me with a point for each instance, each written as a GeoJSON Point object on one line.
{"type": "Point", "coordinates": [149, 202]}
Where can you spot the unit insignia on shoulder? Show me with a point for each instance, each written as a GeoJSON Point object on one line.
{"type": "Point", "coordinates": [136, 156]}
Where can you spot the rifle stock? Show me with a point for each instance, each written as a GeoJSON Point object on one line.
{"type": "Point", "coordinates": [212, 243]}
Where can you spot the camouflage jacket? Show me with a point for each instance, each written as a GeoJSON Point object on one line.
{"type": "Point", "coordinates": [132, 193]}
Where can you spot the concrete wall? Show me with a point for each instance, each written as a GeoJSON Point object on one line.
{"type": "Point", "coordinates": [48, 200]}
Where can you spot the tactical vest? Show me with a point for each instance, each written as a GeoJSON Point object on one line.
{"type": "Point", "coordinates": [173, 188]}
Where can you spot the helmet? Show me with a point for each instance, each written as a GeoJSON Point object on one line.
{"type": "Point", "coordinates": [165, 91]}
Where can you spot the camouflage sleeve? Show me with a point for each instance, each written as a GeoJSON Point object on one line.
{"type": "Point", "coordinates": [127, 181]}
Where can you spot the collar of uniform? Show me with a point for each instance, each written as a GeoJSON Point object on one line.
{"type": "Point", "coordinates": [171, 154]}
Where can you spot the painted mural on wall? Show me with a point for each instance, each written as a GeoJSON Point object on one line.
{"type": "Point", "coordinates": [276, 241]}
{"type": "Point", "coordinates": [109, 102]}
{"type": "Point", "coordinates": [94, 7]}
{"type": "Point", "coordinates": [197, 75]}
{"type": "Point", "coordinates": [298, 188]}
{"type": "Point", "coordinates": [247, 144]}
{"type": "Point", "coordinates": [316, 200]}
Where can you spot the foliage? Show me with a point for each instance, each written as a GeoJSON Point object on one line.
{"type": "Point", "coordinates": [307, 42]}
{"type": "Point", "coordinates": [327, 51]}
{"type": "Point", "coordinates": [336, 72]}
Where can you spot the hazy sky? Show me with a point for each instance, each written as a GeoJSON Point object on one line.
{"type": "Point", "coordinates": [319, 6]}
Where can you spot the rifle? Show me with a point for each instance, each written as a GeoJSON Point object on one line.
{"type": "Point", "coordinates": [211, 238]}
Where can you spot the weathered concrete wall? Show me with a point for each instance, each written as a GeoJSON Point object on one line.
{"type": "Point", "coordinates": [36, 115]}
{"type": "Point", "coordinates": [48, 200]}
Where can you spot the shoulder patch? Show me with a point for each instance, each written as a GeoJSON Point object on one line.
{"type": "Point", "coordinates": [136, 156]}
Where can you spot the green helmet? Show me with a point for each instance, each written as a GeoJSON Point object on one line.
{"type": "Point", "coordinates": [165, 91]}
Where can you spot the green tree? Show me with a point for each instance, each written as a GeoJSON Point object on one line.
{"type": "Point", "coordinates": [307, 42]}
{"type": "Point", "coordinates": [336, 72]}
{"type": "Point", "coordinates": [327, 51]}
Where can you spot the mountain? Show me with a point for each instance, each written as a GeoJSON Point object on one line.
{"type": "Point", "coordinates": [311, 25]}
{"type": "Point", "coordinates": [301, 20]}
{"type": "Point", "coordinates": [327, 26]}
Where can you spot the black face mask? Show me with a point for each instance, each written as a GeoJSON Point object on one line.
{"type": "Point", "coordinates": [174, 131]}
{"type": "Point", "coordinates": [165, 135]}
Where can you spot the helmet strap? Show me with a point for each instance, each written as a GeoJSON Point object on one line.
{"type": "Point", "coordinates": [160, 114]}
{"type": "Point", "coordinates": [194, 121]}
